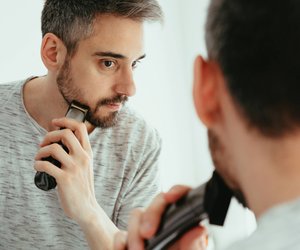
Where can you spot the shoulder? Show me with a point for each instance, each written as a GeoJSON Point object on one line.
{"type": "Point", "coordinates": [9, 86]}
{"type": "Point", "coordinates": [7, 90]}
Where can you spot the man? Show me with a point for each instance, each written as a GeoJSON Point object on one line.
{"type": "Point", "coordinates": [90, 49]}
{"type": "Point", "coordinates": [247, 94]}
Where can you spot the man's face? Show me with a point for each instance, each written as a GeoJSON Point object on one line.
{"type": "Point", "coordinates": [100, 74]}
{"type": "Point", "coordinates": [223, 161]}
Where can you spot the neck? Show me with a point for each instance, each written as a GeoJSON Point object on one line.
{"type": "Point", "coordinates": [266, 170]}
{"type": "Point", "coordinates": [270, 173]}
{"type": "Point", "coordinates": [43, 101]}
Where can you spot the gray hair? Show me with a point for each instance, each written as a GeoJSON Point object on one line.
{"type": "Point", "coordinates": [73, 20]}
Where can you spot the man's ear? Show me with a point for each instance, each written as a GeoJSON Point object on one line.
{"type": "Point", "coordinates": [206, 90]}
{"type": "Point", "coordinates": [53, 52]}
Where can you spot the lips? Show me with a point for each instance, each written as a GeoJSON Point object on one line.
{"type": "Point", "coordinates": [114, 106]}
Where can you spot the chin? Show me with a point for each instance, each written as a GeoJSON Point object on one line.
{"type": "Point", "coordinates": [104, 121]}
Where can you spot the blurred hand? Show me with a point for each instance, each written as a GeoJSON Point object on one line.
{"type": "Point", "coordinates": [144, 223]}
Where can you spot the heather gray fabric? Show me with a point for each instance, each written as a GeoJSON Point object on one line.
{"type": "Point", "coordinates": [277, 229]}
{"type": "Point", "coordinates": [125, 169]}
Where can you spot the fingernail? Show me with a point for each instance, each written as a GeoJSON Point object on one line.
{"type": "Point", "coordinates": [173, 190]}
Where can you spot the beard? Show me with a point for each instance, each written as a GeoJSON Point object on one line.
{"type": "Point", "coordinates": [69, 92]}
{"type": "Point", "coordinates": [222, 160]}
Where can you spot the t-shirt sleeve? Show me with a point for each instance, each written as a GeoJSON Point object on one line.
{"type": "Point", "coordinates": [144, 186]}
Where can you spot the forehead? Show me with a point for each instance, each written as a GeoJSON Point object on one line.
{"type": "Point", "coordinates": [116, 34]}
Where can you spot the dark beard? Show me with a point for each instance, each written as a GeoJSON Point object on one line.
{"type": "Point", "coordinates": [70, 93]}
{"type": "Point", "coordinates": [107, 121]}
{"type": "Point", "coordinates": [220, 160]}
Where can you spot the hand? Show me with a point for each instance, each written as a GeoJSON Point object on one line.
{"type": "Point", "coordinates": [75, 181]}
{"type": "Point", "coordinates": [144, 223]}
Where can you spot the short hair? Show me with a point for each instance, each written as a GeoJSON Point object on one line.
{"type": "Point", "coordinates": [72, 20]}
{"type": "Point", "coordinates": [257, 45]}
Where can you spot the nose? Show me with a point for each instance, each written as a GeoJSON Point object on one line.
{"type": "Point", "coordinates": [125, 85]}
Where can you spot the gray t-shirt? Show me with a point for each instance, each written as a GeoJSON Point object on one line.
{"type": "Point", "coordinates": [125, 172]}
{"type": "Point", "coordinates": [277, 229]}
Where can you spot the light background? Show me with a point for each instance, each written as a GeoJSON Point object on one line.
{"type": "Point", "coordinates": [164, 90]}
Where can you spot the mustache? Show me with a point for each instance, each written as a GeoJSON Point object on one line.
{"type": "Point", "coordinates": [117, 99]}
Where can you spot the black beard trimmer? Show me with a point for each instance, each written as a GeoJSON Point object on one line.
{"type": "Point", "coordinates": [43, 180]}
{"type": "Point", "coordinates": [208, 201]}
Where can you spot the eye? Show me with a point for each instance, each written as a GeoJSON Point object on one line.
{"type": "Point", "coordinates": [135, 64]}
{"type": "Point", "coordinates": [108, 64]}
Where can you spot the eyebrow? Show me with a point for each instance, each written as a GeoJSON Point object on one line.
{"type": "Point", "coordinates": [116, 55]}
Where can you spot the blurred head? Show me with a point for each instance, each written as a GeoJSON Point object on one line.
{"type": "Point", "coordinates": [253, 51]}
{"type": "Point", "coordinates": [92, 48]}
{"type": "Point", "coordinates": [256, 45]}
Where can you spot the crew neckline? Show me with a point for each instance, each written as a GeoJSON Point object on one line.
{"type": "Point", "coordinates": [38, 127]}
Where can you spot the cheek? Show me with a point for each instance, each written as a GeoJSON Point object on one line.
{"type": "Point", "coordinates": [220, 156]}
{"type": "Point", "coordinates": [93, 85]}
{"type": "Point", "coordinates": [89, 75]}
{"type": "Point", "coordinates": [82, 73]}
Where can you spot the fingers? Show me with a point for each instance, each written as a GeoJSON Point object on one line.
{"type": "Point", "coordinates": [74, 137]}
{"type": "Point", "coordinates": [135, 241]}
{"type": "Point", "coordinates": [151, 217]}
{"type": "Point", "coordinates": [144, 224]}
{"type": "Point", "coordinates": [78, 128]}
{"type": "Point", "coordinates": [67, 138]}
{"type": "Point", "coordinates": [56, 151]}
{"type": "Point", "coordinates": [175, 193]}
{"type": "Point", "coordinates": [196, 238]}
{"type": "Point", "coordinates": [120, 240]}
{"type": "Point", "coordinates": [77, 154]}
{"type": "Point", "coordinates": [47, 167]}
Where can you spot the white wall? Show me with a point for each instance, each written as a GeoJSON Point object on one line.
{"type": "Point", "coordinates": [164, 85]}
{"type": "Point", "coordinates": [20, 39]}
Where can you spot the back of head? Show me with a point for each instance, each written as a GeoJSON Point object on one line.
{"type": "Point", "coordinates": [72, 20]}
{"type": "Point", "coordinates": [256, 44]}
